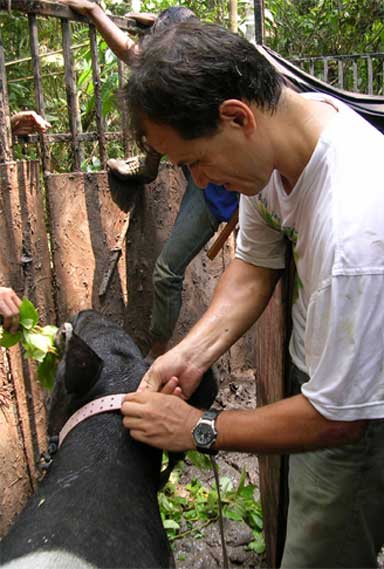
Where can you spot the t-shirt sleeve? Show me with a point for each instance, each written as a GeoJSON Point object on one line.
{"type": "Point", "coordinates": [344, 343]}
{"type": "Point", "coordinates": [258, 242]}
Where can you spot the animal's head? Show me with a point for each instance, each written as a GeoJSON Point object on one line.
{"type": "Point", "coordinates": [100, 358]}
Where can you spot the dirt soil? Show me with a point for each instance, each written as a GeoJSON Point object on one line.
{"type": "Point", "coordinates": [236, 391]}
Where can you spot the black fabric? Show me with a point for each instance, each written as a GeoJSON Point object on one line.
{"type": "Point", "coordinates": [371, 107]}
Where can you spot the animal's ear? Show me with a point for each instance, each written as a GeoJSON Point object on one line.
{"type": "Point", "coordinates": [82, 366]}
{"type": "Point", "coordinates": [207, 391]}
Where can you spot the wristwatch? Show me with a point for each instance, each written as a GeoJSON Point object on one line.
{"type": "Point", "coordinates": [204, 433]}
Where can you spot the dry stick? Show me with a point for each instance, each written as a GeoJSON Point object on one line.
{"type": "Point", "coordinates": [223, 236]}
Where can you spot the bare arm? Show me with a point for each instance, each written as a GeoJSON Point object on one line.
{"type": "Point", "coordinates": [166, 421]}
{"type": "Point", "coordinates": [290, 425]}
{"type": "Point", "coordinates": [121, 45]}
{"type": "Point", "coordinates": [239, 299]}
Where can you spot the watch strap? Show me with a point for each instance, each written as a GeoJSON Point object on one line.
{"type": "Point", "coordinates": [211, 414]}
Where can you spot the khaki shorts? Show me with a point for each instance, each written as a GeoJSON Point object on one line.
{"type": "Point", "coordinates": [336, 504]}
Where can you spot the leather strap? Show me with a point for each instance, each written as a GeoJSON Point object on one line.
{"type": "Point", "coordinates": [101, 405]}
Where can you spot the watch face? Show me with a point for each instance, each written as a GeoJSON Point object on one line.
{"type": "Point", "coordinates": [204, 434]}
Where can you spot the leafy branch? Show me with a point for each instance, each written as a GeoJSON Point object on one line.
{"type": "Point", "coordinates": [187, 509]}
{"type": "Point", "coordinates": [38, 342]}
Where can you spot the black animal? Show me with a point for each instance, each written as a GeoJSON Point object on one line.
{"type": "Point", "coordinates": [97, 506]}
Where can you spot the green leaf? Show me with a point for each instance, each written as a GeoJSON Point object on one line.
{"type": "Point", "coordinates": [36, 345]}
{"type": "Point", "coordinates": [241, 481]}
{"type": "Point", "coordinates": [46, 371]}
{"type": "Point", "coordinates": [171, 524]}
{"type": "Point", "coordinates": [199, 460]}
{"type": "Point", "coordinates": [258, 544]}
{"type": "Point", "coordinates": [255, 520]}
{"type": "Point", "coordinates": [226, 484]}
{"type": "Point", "coordinates": [49, 331]}
{"type": "Point", "coordinates": [7, 340]}
{"type": "Point", "coordinates": [233, 515]}
{"type": "Point", "coordinates": [29, 316]}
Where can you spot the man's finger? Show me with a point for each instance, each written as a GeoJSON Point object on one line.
{"type": "Point", "coordinates": [145, 18]}
{"type": "Point", "coordinates": [179, 393]}
{"type": "Point", "coordinates": [131, 423]}
{"type": "Point", "coordinates": [149, 382]}
{"type": "Point", "coordinates": [137, 435]}
{"type": "Point", "coordinates": [170, 387]}
{"type": "Point", "coordinates": [132, 407]}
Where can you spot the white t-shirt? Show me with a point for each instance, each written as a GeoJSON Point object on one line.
{"type": "Point", "coordinates": [335, 218]}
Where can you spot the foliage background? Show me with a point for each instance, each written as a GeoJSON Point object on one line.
{"type": "Point", "coordinates": [294, 28]}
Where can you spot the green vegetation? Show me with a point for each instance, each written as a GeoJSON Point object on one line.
{"type": "Point", "coordinates": [37, 341]}
{"type": "Point", "coordinates": [294, 28]}
{"type": "Point", "coordinates": [188, 509]}
{"type": "Point", "coordinates": [298, 28]}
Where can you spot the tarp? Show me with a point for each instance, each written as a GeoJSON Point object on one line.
{"type": "Point", "coordinates": [371, 107]}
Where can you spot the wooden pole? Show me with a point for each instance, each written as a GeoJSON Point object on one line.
{"type": "Point", "coordinates": [259, 21]}
{"type": "Point", "coordinates": [223, 236]}
{"type": "Point", "coordinates": [5, 123]}
{"type": "Point", "coordinates": [233, 15]}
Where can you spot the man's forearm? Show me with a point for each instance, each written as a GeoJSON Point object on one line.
{"type": "Point", "coordinates": [239, 299]}
{"type": "Point", "coordinates": [121, 45]}
{"type": "Point", "coordinates": [290, 425]}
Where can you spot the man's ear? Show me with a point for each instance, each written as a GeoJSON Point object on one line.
{"type": "Point", "coordinates": [82, 366]}
{"type": "Point", "coordinates": [238, 113]}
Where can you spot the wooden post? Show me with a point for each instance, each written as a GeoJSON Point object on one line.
{"type": "Point", "coordinates": [100, 123]}
{"type": "Point", "coordinates": [5, 123]}
{"type": "Point", "coordinates": [124, 116]}
{"type": "Point", "coordinates": [33, 32]}
{"type": "Point", "coordinates": [259, 21]}
{"type": "Point", "coordinates": [233, 15]}
{"type": "Point", "coordinates": [73, 103]}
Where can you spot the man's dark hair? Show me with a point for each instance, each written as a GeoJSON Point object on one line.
{"type": "Point", "coordinates": [187, 70]}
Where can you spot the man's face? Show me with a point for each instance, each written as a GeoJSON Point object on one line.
{"type": "Point", "coordinates": [229, 158]}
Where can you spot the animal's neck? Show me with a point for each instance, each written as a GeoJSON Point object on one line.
{"type": "Point", "coordinates": [101, 443]}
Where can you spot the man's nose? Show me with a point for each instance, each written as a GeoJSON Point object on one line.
{"type": "Point", "coordinates": [199, 177]}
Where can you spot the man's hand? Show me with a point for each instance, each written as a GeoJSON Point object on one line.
{"type": "Point", "coordinates": [83, 7]}
{"type": "Point", "coordinates": [172, 367]}
{"type": "Point", "coordinates": [162, 421]}
{"type": "Point", "coordinates": [9, 309]}
{"type": "Point", "coordinates": [27, 122]}
{"type": "Point", "coordinates": [143, 18]}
